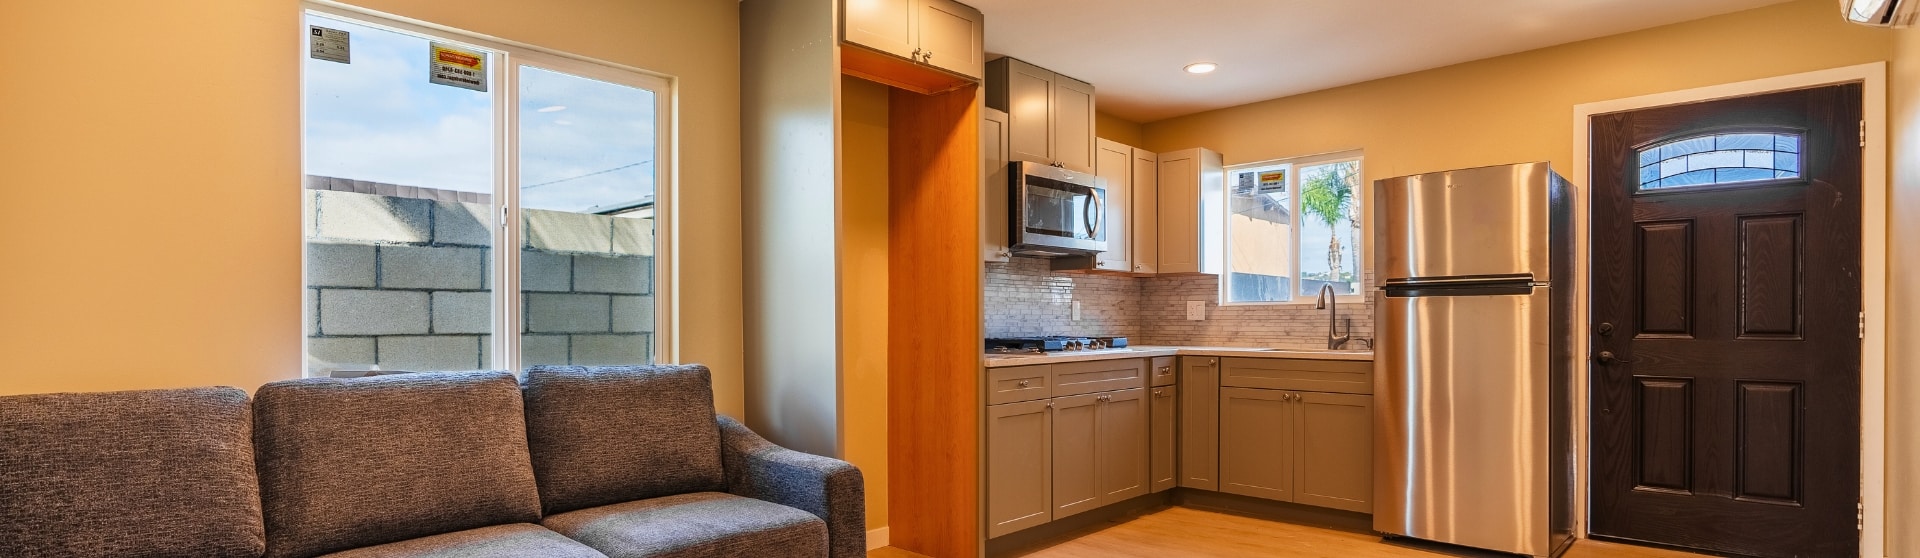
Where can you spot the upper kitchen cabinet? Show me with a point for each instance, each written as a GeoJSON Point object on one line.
{"type": "Point", "coordinates": [995, 233]}
{"type": "Point", "coordinates": [1049, 116]}
{"type": "Point", "coordinates": [927, 46]}
{"type": "Point", "coordinates": [1191, 227]}
{"type": "Point", "coordinates": [1132, 178]}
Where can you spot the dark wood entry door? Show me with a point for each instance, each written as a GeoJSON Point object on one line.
{"type": "Point", "coordinates": [1726, 300]}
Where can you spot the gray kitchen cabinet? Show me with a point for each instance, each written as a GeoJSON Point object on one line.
{"type": "Point", "coordinates": [1113, 163]}
{"type": "Point", "coordinates": [1335, 466]}
{"type": "Point", "coordinates": [1257, 446]}
{"type": "Point", "coordinates": [1163, 435]}
{"type": "Point", "coordinates": [1190, 212]}
{"type": "Point", "coordinates": [1019, 466]}
{"type": "Point", "coordinates": [1019, 383]}
{"type": "Point", "coordinates": [1145, 223]}
{"type": "Point", "coordinates": [1122, 462]}
{"type": "Point", "coordinates": [1310, 448]}
{"type": "Point", "coordinates": [1076, 434]}
{"type": "Point", "coordinates": [1161, 371]}
{"type": "Point", "coordinates": [1091, 376]}
{"type": "Point", "coordinates": [994, 230]}
{"type": "Point", "coordinates": [1332, 376]}
{"type": "Point", "coordinates": [1050, 117]}
{"type": "Point", "coordinates": [1199, 422]}
{"type": "Point", "coordinates": [940, 33]}
{"type": "Point", "coordinates": [952, 37]}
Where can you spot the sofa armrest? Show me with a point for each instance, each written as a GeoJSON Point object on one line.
{"type": "Point", "coordinates": [829, 488]}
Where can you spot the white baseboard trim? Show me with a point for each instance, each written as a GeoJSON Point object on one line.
{"type": "Point", "coordinates": [878, 537]}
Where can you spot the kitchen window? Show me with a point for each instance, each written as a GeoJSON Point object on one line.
{"type": "Point", "coordinates": [1293, 226]}
{"type": "Point", "coordinates": [470, 205]}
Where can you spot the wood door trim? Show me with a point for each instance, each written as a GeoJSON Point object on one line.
{"type": "Point", "coordinates": [1874, 230]}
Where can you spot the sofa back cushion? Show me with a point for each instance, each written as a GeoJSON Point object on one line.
{"type": "Point", "coordinates": [131, 473]}
{"type": "Point", "coordinates": [346, 463]}
{"type": "Point", "coordinates": [613, 434]}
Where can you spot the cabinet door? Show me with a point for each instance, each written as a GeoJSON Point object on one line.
{"type": "Point", "coordinates": [952, 37]}
{"type": "Point", "coordinates": [1113, 163]}
{"type": "Point", "coordinates": [1075, 437]}
{"type": "Point", "coordinates": [1199, 423]}
{"type": "Point", "coordinates": [1257, 443]}
{"type": "Point", "coordinates": [1335, 451]}
{"type": "Point", "coordinates": [1073, 121]}
{"type": "Point", "coordinates": [1121, 450]}
{"type": "Point", "coordinates": [1163, 404]}
{"type": "Point", "coordinates": [1029, 106]}
{"type": "Point", "coordinates": [1146, 212]}
{"type": "Point", "coordinates": [1019, 482]}
{"type": "Point", "coordinates": [1179, 240]}
{"type": "Point", "coordinates": [883, 25]}
{"type": "Point", "coordinates": [993, 186]}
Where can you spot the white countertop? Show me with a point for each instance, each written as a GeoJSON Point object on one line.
{"type": "Point", "coordinates": [1000, 360]}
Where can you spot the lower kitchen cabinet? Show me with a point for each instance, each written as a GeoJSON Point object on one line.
{"type": "Point", "coordinates": [1019, 466]}
{"type": "Point", "coordinates": [1200, 422]}
{"type": "Point", "coordinates": [1257, 446]}
{"type": "Point", "coordinates": [1310, 448]}
{"type": "Point", "coordinates": [1076, 429]}
{"type": "Point", "coordinates": [1163, 426]}
{"type": "Point", "coordinates": [1122, 460]}
{"type": "Point", "coordinates": [1335, 468]}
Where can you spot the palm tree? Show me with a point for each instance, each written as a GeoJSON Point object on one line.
{"type": "Point", "coordinates": [1328, 197]}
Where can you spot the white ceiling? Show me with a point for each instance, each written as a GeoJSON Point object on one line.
{"type": "Point", "coordinates": [1132, 51]}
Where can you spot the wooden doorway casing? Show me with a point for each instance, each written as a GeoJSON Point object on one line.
{"type": "Point", "coordinates": [1874, 184]}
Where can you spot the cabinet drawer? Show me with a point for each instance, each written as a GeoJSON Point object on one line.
{"type": "Point", "coordinates": [1332, 376]}
{"type": "Point", "coordinates": [1100, 375]}
{"type": "Point", "coordinates": [1160, 371]}
{"type": "Point", "coordinates": [1017, 383]}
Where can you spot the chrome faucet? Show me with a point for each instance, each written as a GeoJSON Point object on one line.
{"type": "Point", "coordinates": [1329, 303]}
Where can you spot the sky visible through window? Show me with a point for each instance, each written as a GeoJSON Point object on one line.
{"type": "Point", "coordinates": [584, 143]}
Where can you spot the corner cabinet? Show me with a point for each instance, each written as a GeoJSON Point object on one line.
{"type": "Point", "coordinates": [900, 35]}
{"type": "Point", "coordinates": [1192, 222]}
{"type": "Point", "coordinates": [1200, 422]}
{"type": "Point", "coordinates": [1050, 117]}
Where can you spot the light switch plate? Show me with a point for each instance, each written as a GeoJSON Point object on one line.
{"type": "Point", "coordinates": [1196, 310]}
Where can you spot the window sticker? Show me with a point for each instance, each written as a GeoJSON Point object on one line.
{"type": "Point", "coordinates": [1273, 182]}
{"type": "Point", "coordinates": [329, 44]}
{"type": "Point", "coordinates": [457, 67]}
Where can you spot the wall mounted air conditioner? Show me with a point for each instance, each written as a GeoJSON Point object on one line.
{"type": "Point", "coordinates": [1880, 13]}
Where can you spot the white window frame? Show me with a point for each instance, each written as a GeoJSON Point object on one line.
{"type": "Point", "coordinates": [1362, 267]}
{"type": "Point", "coordinates": [504, 76]}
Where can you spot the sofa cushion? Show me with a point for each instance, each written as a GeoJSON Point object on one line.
{"type": "Point", "coordinates": [619, 433]}
{"type": "Point", "coordinates": [346, 463]}
{"type": "Point", "coordinates": [698, 525]}
{"type": "Point", "coordinates": [132, 473]}
{"type": "Point", "coordinates": [518, 540]}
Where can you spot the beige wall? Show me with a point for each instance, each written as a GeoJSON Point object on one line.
{"type": "Point", "coordinates": [1115, 128]}
{"type": "Point", "coordinates": [209, 292]}
{"type": "Point", "coordinates": [863, 286]}
{"type": "Point", "coordinates": [1903, 316]}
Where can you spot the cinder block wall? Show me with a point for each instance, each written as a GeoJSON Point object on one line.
{"type": "Point", "coordinates": [404, 283]}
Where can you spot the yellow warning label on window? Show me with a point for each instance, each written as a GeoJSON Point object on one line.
{"type": "Point", "coordinates": [458, 67]}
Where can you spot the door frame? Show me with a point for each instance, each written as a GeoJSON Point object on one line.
{"type": "Point", "coordinates": [1873, 255]}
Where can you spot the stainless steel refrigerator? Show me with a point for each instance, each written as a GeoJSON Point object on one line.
{"type": "Point", "coordinates": [1473, 367]}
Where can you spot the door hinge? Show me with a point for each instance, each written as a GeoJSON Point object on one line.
{"type": "Point", "coordinates": [1863, 133]}
{"type": "Point", "coordinates": [1859, 516]}
{"type": "Point", "coordinates": [1863, 325]}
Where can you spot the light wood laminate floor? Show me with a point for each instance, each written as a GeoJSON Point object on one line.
{"type": "Point", "coordinates": [1183, 532]}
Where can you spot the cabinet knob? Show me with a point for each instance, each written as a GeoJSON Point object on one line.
{"type": "Point", "coordinates": [928, 58]}
{"type": "Point", "coordinates": [1160, 393]}
{"type": "Point", "coordinates": [1025, 383]}
{"type": "Point", "coordinates": [1165, 370]}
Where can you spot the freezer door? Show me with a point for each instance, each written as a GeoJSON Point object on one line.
{"type": "Point", "coordinates": [1483, 222]}
{"type": "Point", "coordinates": [1461, 427]}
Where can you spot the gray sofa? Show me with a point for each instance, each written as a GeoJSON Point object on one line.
{"type": "Point", "coordinates": [611, 462]}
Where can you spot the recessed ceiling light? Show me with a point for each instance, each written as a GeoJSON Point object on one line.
{"type": "Point", "coordinates": [554, 108]}
{"type": "Point", "coordinates": [1202, 67]}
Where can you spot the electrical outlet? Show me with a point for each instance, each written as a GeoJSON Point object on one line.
{"type": "Point", "coordinates": [1196, 310]}
{"type": "Point", "coordinates": [1076, 310]}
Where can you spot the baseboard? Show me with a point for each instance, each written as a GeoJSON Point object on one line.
{"type": "Point", "coordinates": [878, 538]}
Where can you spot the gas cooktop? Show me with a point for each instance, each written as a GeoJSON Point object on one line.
{"type": "Point", "coordinates": [1008, 345]}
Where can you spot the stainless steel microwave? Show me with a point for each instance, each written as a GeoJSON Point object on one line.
{"type": "Point", "coordinates": [1056, 212]}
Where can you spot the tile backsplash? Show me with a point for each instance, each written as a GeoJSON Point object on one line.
{"type": "Point", "coordinates": [1025, 298]}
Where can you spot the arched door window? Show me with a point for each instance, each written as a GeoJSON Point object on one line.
{"type": "Point", "coordinates": [1716, 159]}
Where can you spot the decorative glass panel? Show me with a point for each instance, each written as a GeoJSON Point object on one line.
{"type": "Point", "coordinates": [1720, 159]}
